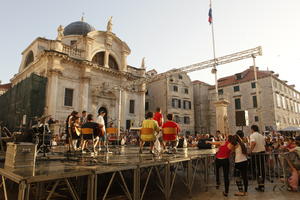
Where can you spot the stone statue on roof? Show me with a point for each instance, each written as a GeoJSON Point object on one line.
{"type": "Point", "coordinates": [109, 25]}
{"type": "Point", "coordinates": [143, 63]}
{"type": "Point", "coordinates": [60, 32]}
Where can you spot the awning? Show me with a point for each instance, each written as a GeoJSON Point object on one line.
{"type": "Point", "coordinates": [291, 128]}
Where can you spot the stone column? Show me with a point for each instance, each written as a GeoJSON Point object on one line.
{"type": "Point", "coordinates": [124, 104]}
{"type": "Point", "coordinates": [123, 66]}
{"type": "Point", "coordinates": [106, 58]}
{"type": "Point", "coordinates": [84, 87]}
{"type": "Point", "coordinates": [52, 91]}
{"type": "Point", "coordinates": [221, 116]}
{"type": "Point", "coordinates": [142, 100]}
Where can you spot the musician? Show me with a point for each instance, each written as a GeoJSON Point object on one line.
{"type": "Point", "coordinates": [100, 140]}
{"type": "Point", "coordinates": [158, 117]}
{"type": "Point", "coordinates": [89, 124]}
{"type": "Point", "coordinates": [149, 122]}
{"type": "Point", "coordinates": [70, 129]}
{"type": "Point", "coordinates": [171, 139]}
{"type": "Point", "coordinates": [83, 118]}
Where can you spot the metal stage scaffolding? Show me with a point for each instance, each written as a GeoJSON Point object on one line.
{"type": "Point", "coordinates": [129, 170]}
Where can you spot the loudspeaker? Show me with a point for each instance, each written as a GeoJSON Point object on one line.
{"type": "Point", "coordinates": [241, 118]}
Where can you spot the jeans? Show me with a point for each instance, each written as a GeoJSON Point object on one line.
{"type": "Point", "coordinates": [258, 168]}
{"type": "Point", "coordinates": [242, 168]}
{"type": "Point", "coordinates": [224, 163]}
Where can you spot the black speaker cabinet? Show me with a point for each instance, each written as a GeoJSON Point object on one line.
{"type": "Point", "coordinates": [241, 118]}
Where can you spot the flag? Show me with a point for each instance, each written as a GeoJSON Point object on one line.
{"type": "Point", "coordinates": [210, 18]}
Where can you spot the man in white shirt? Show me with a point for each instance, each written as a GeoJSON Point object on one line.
{"type": "Point", "coordinates": [101, 122]}
{"type": "Point", "coordinates": [257, 146]}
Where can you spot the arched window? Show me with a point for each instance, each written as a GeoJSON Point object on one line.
{"type": "Point", "coordinates": [29, 59]}
{"type": "Point", "coordinates": [112, 63]}
{"type": "Point", "coordinates": [99, 58]}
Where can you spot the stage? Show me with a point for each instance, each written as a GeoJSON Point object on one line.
{"type": "Point", "coordinates": [91, 177]}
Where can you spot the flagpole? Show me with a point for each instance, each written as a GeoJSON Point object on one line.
{"type": "Point", "coordinates": [214, 70]}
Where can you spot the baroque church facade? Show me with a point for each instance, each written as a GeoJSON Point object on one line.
{"type": "Point", "coordinates": [86, 69]}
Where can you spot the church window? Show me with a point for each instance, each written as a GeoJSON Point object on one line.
{"type": "Point", "coordinates": [112, 63]}
{"type": "Point", "coordinates": [131, 106]}
{"type": "Point", "coordinates": [68, 97]}
{"type": "Point", "coordinates": [99, 58]}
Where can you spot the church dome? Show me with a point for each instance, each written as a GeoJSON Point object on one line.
{"type": "Point", "coordinates": [78, 28]}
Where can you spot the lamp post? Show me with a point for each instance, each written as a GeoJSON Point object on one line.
{"type": "Point", "coordinates": [257, 94]}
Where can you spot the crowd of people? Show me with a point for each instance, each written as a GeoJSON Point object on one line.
{"type": "Point", "coordinates": [255, 152]}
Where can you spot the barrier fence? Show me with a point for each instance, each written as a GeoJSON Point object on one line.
{"type": "Point", "coordinates": [270, 170]}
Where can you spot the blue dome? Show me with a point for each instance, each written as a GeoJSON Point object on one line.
{"type": "Point", "coordinates": [78, 28]}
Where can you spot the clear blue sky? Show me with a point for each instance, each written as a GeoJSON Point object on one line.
{"type": "Point", "coordinates": [169, 33]}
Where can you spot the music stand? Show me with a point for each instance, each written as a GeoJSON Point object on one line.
{"type": "Point", "coordinates": [43, 148]}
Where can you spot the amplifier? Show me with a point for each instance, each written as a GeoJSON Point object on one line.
{"type": "Point", "coordinates": [20, 155]}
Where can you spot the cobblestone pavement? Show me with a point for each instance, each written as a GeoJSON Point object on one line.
{"type": "Point", "coordinates": [214, 194]}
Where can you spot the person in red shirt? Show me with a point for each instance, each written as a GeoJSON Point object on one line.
{"type": "Point", "coordinates": [171, 138]}
{"type": "Point", "coordinates": [158, 117]}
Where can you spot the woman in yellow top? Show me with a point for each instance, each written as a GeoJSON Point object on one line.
{"type": "Point", "coordinates": [149, 122]}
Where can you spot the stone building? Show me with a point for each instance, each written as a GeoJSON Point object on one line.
{"type": "Point", "coordinates": [201, 106]}
{"type": "Point", "coordinates": [4, 88]}
{"type": "Point", "coordinates": [85, 69]}
{"type": "Point", "coordinates": [279, 101]}
{"type": "Point", "coordinates": [173, 94]}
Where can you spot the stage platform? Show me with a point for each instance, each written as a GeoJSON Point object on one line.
{"type": "Point", "coordinates": [133, 172]}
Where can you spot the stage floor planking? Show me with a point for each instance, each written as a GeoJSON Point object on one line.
{"type": "Point", "coordinates": [65, 165]}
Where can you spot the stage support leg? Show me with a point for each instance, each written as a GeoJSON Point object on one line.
{"type": "Point", "coordinates": [22, 188]}
{"type": "Point", "coordinates": [137, 184]}
{"type": "Point", "coordinates": [189, 176]}
{"type": "Point", "coordinates": [167, 181]}
{"type": "Point", "coordinates": [4, 188]}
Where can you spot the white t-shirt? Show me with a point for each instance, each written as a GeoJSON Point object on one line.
{"type": "Point", "coordinates": [100, 120]}
{"type": "Point", "coordinates": [239, 156]}
{"type": "Point", "coordinates": [260, 142]}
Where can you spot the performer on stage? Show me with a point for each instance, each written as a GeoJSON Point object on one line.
{"type": "Point", "coordinates": [158, 117]}
{"type": "Point", "coordinates": [149, 123]}
{"type": "Point", "coordinates": [70, 129]}
{"type": "Point", "coordinates": [96, 130]}
{"type": "Point", "coordinates": [171, 139]}
{"type": "Point", "coordinates": [75, 131]}
{"type": "Point", "coordinates": [101, 139]}
{"type": "Point", "coordinates": [83, 118]}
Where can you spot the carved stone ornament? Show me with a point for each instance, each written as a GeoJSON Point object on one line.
{"type": "Point", "coordinates": [60, 32]}
{"type": "Point", "coordinates": [103, 91]}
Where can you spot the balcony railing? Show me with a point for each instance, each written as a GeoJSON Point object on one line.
{"type": "Point", "coordinates": [73, 51]}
